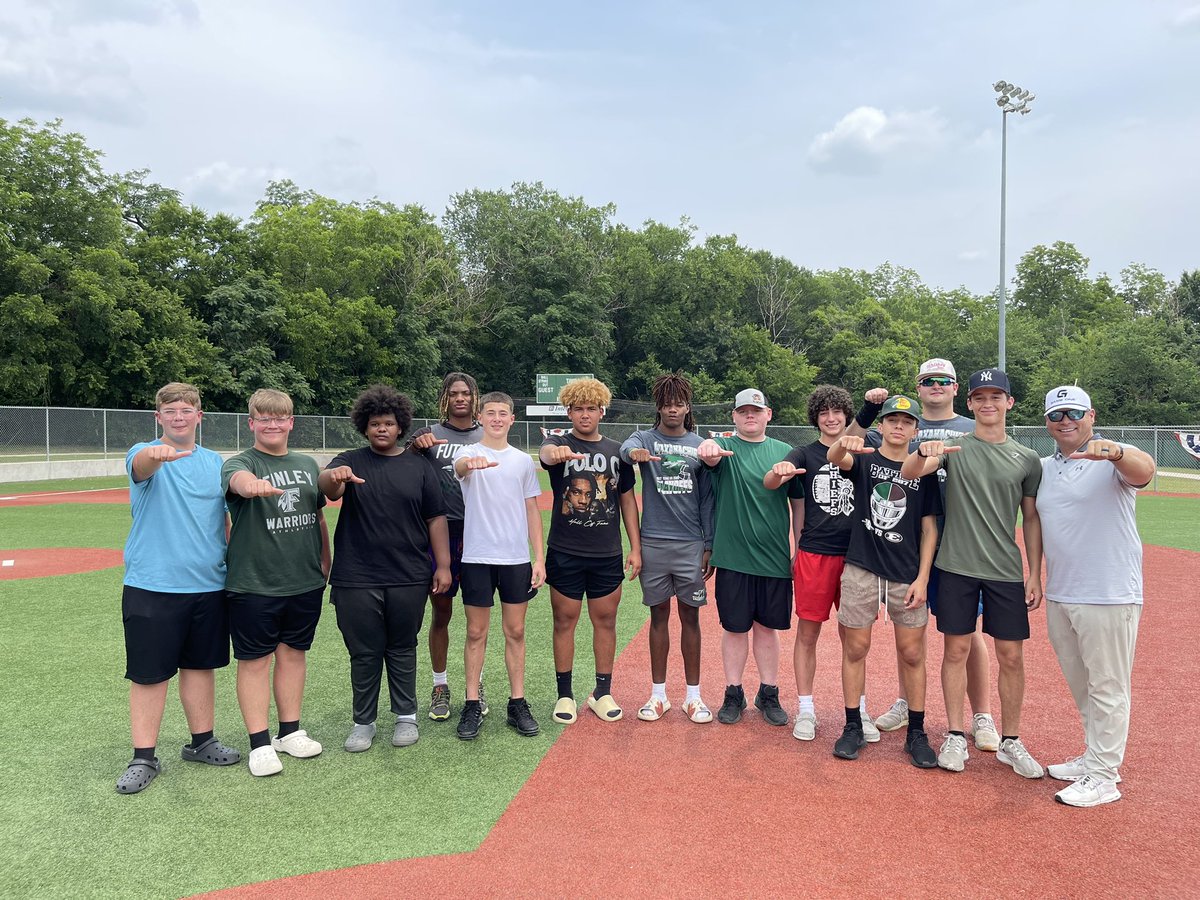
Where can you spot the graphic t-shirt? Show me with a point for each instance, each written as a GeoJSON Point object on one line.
{"type": "Point", "coordinates": [382, 537]}
{"type": "Point", "coordinates": [752, 523]}
{"type": "Point", "coordinates": [442, 457]}
{"type": "Point", "coordinates": [274, 542]}
{"type": "Point", "coordinates": [585, 518]}
{"type": "Point", "coordinates": [828, 501]}
{"type": "Point", "coordinates": [886, 537]}
{"type": "Point", "coordinates": [677, 497]}
{"type": "Point", "coordinates": [496, 530]}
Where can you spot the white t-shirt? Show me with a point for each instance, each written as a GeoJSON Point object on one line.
{"type": "Point", "coordinates": [495, 529]}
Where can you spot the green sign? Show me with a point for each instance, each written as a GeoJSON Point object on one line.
{"type": "Point", "coordinates": [547, 386]}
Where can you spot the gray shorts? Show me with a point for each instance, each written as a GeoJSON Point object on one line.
{"type": "Point", "coordinates": [864, 592]}
{"type": "Point", "coordinates": [672, 569]}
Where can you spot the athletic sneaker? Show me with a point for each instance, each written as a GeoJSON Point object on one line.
{"type": "Point", "coordinates": [470, 721]}
{"type": "Point", "coordinates": [767, 701]}
{"type": "Point", "coordinates": [983, 730]}
{"type": "Point", "coordinates": [265, 761]}
{"type": "Point", "coordinates": [730, 712]}
{"type": "Point", "coordinates": [850, 742]}
{"type": "Point", "coordinates": [297, 744]}
{"type": "Point", "coordinates": [1071, 770]}
{"type": "Point", "coordinates": [806, 726]}
{"type": "Point", "coordinates": [1089, 791]}
{"type": "Point", "coordinates": [439, 703]}
{"type": "Point", "coordinates": [484, 709]}
{"type": "Point", "coordinates": [870, 732]}
{"type": "Point", "coordinates": [653, 709]}
{"type": "Point", "coordinates": [916, 745]}
{"type": "Point", "coordinates": [896, 717]}
{"type": "Point", "coordinates": [1013, 753]}
{"type": "Point", "coordinates": [697, 711]}
{"type": "Point", "coordinates": [953, 755]}
{"type": "Point", "coordinates": [520, 718]}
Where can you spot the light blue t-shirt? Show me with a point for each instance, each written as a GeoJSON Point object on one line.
{"type": "Point", "coordinates": [177, 542]}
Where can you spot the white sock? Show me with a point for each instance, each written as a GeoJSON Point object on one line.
{"type": "Point", "coordinates": [862, 703]}
{"type": "Point", "coordinates": [658, 691]}
{"type": "Point", "coordinates": [439, 678]}
{"type": "Point", "coordinates": [806, 704]}
{"type": "Point", "coordinates": [693, 693]}
{"type": "Point", "coordinates": [412, 718]}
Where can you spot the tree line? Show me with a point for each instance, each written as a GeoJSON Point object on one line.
{"type": "Point", "coordinates": [110, 286]}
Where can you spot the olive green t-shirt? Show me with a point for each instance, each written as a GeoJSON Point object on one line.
{"type": "Point", "coordinates": [984, 486]}
{"type": "Point", "coordinates": [274, 542]}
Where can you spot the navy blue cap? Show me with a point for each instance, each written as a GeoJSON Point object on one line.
{"type": "Point", "coordinates": [989, 378]}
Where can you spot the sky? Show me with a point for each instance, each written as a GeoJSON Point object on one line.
{"type": "Point", "coordinates": [834, 134]}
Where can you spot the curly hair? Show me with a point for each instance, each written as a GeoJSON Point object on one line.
{"type": "Point", "coordinates": [584, 391]}
{"type": "Point", "coordinates": [672, 388]}
{"type": "Point", "coordinates": [829, 396]}
{"type": "Point", "coordinates": [381, 400]}
{"type": "Point", "coordinates": [444, 396]}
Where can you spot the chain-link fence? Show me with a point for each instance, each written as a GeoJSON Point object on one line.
{"type": "Point", "coordinates": [56, 434]}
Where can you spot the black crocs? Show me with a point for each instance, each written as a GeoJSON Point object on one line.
{"type": "Point", "coordinates": [212, 752]}
{"type": "Point", "coordinates": [138, 775]}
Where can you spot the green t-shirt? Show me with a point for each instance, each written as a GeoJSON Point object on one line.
{"type": "Point", "coordinates": [751, 522]}
{"type": "Point", "coordinates": [275, 542]}
{"type": "Point", "coordinates": [984, 486]}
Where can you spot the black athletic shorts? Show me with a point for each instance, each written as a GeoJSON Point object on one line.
{"type": "Point", "coordinates": [579, 576]}
{"type": "Point", "coordinates": [258, 624]}
{"type": "Point", "coordinates": [455, 528]}
{"type": "Point", "coordinates": [482, 581]}
{"type": "Point", "coordinates": [1005, 615]}
{"type": "Point", "coordinates": [168, 632]}
{"type": "Point", "coordinates": [745, 599]}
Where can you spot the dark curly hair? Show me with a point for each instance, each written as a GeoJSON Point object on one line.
{"type": "Point", "coordinates": [829, 396]}
{"type": "Point", "coordinates": [381, 400]}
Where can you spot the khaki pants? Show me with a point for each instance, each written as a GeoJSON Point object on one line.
{"type": "Point", "coordinates": [1094, 644]}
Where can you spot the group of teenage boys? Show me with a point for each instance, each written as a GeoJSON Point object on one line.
{"type": "Point", "coordinates": [916, 515]}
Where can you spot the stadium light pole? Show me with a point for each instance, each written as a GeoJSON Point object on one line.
{"type": "Point", "coordinates": [1011, 99]}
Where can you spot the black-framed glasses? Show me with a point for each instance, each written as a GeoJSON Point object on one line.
{"type": "Point", "coordinates": [939, 380]}
{"type": "Point", "coordinates": [1073, 414]}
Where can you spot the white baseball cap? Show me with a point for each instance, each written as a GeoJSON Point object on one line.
{"type": "Point", "coordinates": [750, 397]}
{"type": "Point", "coordinates": [1067, 397]}
{"type": "Point", "coordinates": [937, 367]}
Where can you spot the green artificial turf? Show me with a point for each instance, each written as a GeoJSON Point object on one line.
{"type": "Point", "coordinates": [1169, 521]}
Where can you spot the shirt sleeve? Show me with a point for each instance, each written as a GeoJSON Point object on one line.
{"type": "Point", "coordinates": [626, 473]}
{"type": "Point", "coordinates": [432, 504]}
{"type": "Point", "coordinates": [553, 440]}
{"type": "Point", "coordinates": [231, 467]}
{"type": "Point", "coordinates": [633, 442]}
{"type": "Point", "coordinates": [1033, 477]}
{"type": "Point", "coordinates": [530, 485]}
{"type": "Point", "coordinates": [342, 459]}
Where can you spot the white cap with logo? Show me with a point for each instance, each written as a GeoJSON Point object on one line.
{"type": "Point", "coordinates": [1067, 397]}
{"type": "Point", "coordinates": [936, 367]}
{"type": "Point", "coordinates": [750, 397]}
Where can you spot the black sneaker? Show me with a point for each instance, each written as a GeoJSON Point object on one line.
{"type": "Point", "coordinates": [520, 718]}
{"type": "Point", "coordinates": [767, 700]}
{"type": "Point", "coordinates": [470, 721]}
{"type": "Point", "coordinates": [916, 745]}
{"type": "Point", "coordinates": [850, 742]}
{"type": "Point", "coordinates": [735, 701]}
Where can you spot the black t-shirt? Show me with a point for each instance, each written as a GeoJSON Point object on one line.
{"type": "Point", "coordinates": [382, 538]}
{"type": "Point", "coordinates": [886, 535]}
{"type": "Point", "coordinates": [828, 501]}
{"type": "Point", "coordinates": [585, 518]}
{"type": "Point", "coordinates": [441, 456]}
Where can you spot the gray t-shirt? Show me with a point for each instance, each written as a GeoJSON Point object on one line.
{"type": "Point", "coordinates": [442, 457]}
{"type": "Point", "coordinates": [677, 497]}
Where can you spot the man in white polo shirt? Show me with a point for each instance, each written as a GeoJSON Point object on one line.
{"type": "Point", "coordinates": [1093, 584]}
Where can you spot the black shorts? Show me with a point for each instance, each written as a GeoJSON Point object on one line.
{"type": "Point", "coordinates": [579, 576]}
{"type": "Point", "coordinates": [745, 599]}
{"type": "Point", "coordinates": [168, 632]}
{"type": "Point", "coordinates": [258, 624]}
{"type": "Point", "coordinates": [1005, 615]}
{"type": "Point", "coordinates": [455, 528]}
{"type": "Point", "coordinates": [482, 581]}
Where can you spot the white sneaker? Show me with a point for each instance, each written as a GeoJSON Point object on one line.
{"type": "Point", "coordinates": [1072, 770]}
{"type": "Point", "coordinates": [806, 726]}
{"type": "Point", "coordinates": [870, 731]}
{"type": "Point", "coordinates": [654, 709]}
{"type": "Point", "coordinates": [895, 717]}
{"type": "Point", "coordinates": [953, 755]}
{"type": "Point", "coordinates": [983, 730]}
{"type": "Point", "coordinates": [297, 744]}
{"type": "Point", "coordinates": [265, 761]}
{"type": "Point", "coordinates": [1013, 753]}
{"type": "Point", "coordinates": [1089, 791]}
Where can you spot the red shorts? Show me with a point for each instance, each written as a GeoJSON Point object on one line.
{"type": "Point", "coordinates": [816, 584]}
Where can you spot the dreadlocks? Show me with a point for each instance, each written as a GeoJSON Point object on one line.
{"type": "Point", "coordinates": [444, 396]}
{"type": "Point", "coordinates": [673, 388]}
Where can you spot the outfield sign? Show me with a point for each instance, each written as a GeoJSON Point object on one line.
{"type": "Point", "coordinates": [552, 409]}
{"type": "Point", "coordinates": [546, 387]}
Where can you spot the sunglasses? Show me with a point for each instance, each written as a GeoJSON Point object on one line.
{"type": "Point", "coordinates": [939, 380]}
{"type": "Point", "coordinates": [1073, 414]}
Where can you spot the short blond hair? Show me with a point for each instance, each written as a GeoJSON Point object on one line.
{"type": "Point", "coordinates": [270, 401]}
{"type": "Point", "coordinates": [584, 391]}
{"type": "Point", "coordinates": [177, 392]}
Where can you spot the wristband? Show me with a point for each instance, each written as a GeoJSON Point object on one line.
{"type": "Point", "coordinates": [868, 412]}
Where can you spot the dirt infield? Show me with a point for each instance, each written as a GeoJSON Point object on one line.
{"type": "Point", "coordinates": [110, 495]}
{"type": "Point", "coordinates": [637, 809]}
{"type": "Point", "coordinates": [46, 561]}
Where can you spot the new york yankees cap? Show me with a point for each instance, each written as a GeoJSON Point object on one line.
{"type": "Point", "coordinates": [988, 378]}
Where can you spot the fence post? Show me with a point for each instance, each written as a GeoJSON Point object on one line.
{"type": "Point", "coordinates": [1156, 458]}
{"type": "Point", "coordinates": [47, 434]}
{"type": "Point", "coordinates": [323, 446]}
{"type": "Point", "coordinates": [104, 430]}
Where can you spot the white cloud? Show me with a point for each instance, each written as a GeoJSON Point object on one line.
{"type": "Point", "coordinates": [223, 186]}
{"type": "Point", "coordinates": [970, 255]}
{"type": "Point", "coordinates": [1188, 18]}
{"type": "Point", "coordinates": [866, 136]}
